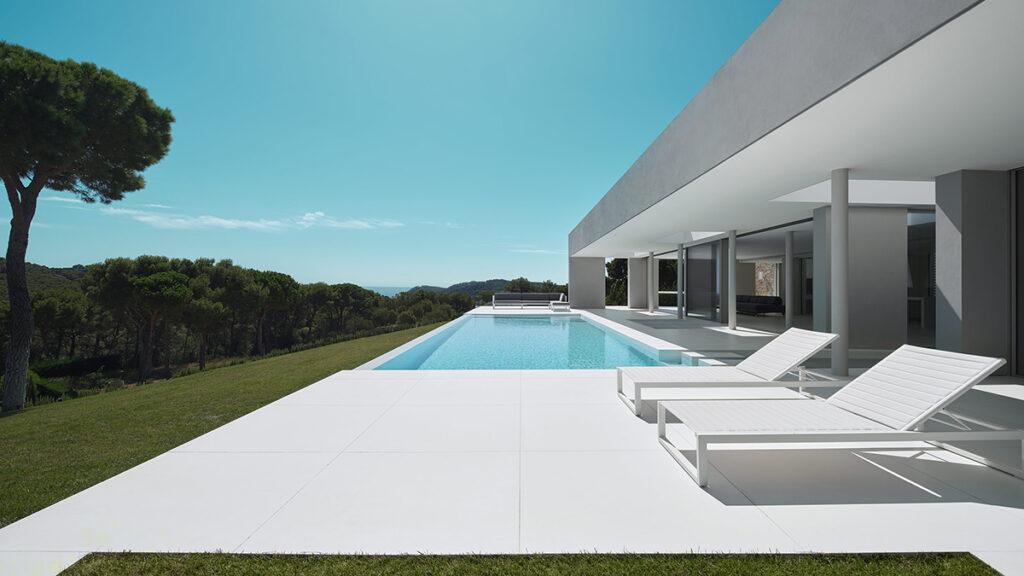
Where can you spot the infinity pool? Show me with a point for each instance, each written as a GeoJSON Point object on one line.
{"type": "Point", "coordinates": [482, 342]}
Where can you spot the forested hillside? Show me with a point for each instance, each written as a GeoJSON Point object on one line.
{"type": "Point", "coordinates": [44, 278]}
{"type": "Point", "coordinates": [481, 290]}
{"type": "Point", "coordinates": [126, 320]}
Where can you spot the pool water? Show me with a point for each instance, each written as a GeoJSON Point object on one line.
{"type": "Point", "coordinates": [481, 342]}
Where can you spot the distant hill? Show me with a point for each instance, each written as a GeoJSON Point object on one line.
{"type": "Point", "coordinates": [387, 290]}
{"type": "Point", "coordinates": [472, 288]}
{"type": "Point", "coordinates": [44, 278]}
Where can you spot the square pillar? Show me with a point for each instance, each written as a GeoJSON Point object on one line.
{"type": "Point", "coordinates": [722, 268]}
{"type": "Point", "coordinates": [732, 280]}
{"type": "Point", "coordinates": [972, 262]}
{"type": "Point", "coordinates": [787, 272]}
{"type": "Point", "coordinates": [877, 278]}
{"type": "Point", "coordinates": [680, 281]}
{"type": "Point", "coordinates": [636, 282]}
{"type": "Point", "coordinates": [840, 271]}
{"type": "Point", "coordinates": [586, 282]}
{"type": "Point", "coordinates": [652, 282]}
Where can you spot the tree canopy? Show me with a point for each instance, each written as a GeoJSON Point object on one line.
{"type": "Point", "coordinates": [72, 127]}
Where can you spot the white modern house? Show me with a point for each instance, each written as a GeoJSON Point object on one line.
{"type": "Point", "coordinates": [865, 152]}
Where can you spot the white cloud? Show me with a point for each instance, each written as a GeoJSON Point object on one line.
{"type": "Point", "coordinates": [310, 219]}
{"type": "Point", "coordinates": [449, 225]}
{"type": "Point", "coordinates": [169, 221]}
{"type": "Point", "coordinates": [64, 199]}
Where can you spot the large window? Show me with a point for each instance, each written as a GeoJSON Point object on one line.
{"type": "Point", "coordinates": [702, 281]}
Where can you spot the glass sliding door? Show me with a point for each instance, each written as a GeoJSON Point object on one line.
{"type": "Point", "coordinates": [702, 281]}
{"type": "Point", "coordinates": [1017, 189]}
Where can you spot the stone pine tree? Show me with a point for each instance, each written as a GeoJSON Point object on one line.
{"type": "Point", "coordinates": [65, 126]}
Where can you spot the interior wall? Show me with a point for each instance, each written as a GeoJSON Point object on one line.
{"type": "Point", "coordinates": [746, 278]}
{"type": "Point", "coordinates": [877, 275]}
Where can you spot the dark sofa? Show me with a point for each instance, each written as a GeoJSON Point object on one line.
{"type": "Point", "coordinates": [755, 305]}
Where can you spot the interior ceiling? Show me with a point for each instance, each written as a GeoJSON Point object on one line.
{"type": "Point", "coordinates": [952, 101]}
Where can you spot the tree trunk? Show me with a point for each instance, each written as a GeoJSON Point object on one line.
{"type": "Point", "coordinates": [202, 351]}
{"type": "Point", "coordinates": [260, 350]}
{"type": "Point", "coordinates": [73, 344]}
{"type": "Point", "coordinates": [146, 357]}
{"type": "Point", "coordinates": [20, 343]}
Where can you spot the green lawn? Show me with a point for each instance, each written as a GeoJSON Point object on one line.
{"type": "Point", "coordinates": [50, 452]}
{"type": "Point", "coordinates": [536, 565]}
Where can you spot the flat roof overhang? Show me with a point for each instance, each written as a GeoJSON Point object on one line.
{"type": "Point", "coordinates": [953, 100]}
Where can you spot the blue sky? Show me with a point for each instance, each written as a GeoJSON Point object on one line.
{"type": "Point", "coordinates": [379, 142]}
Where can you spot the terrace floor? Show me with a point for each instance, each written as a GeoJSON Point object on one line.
{"type": "Point", "coordinates": [516, 462]}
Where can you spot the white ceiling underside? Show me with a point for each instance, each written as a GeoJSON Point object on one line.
{"type": "Point", "coordinates": [952, 101]}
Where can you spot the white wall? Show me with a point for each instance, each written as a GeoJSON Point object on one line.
{"type": "Point", "coordinates": [636, 282]}
{"type": "Point", "coordinates": [586, 282]}
{"type": "Point", "coordinates": [877, 278]}
{"type": "Point", "coordinates": [972, 262]}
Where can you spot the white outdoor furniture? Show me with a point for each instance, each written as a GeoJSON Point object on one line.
{"type": "Point", "coordinates": [525, 299]}
{"type": "Point", "coordinates": [887, 403]}
{"type": "Point", "coordinates": [558, 305]}
{"type": "Point", "coordinates": [761, 369]}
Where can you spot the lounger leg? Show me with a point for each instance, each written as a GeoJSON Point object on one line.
{"type": "Point", "coordinates": [702, 462]}
{"type": "Point", "coordinates": [699, 471]}
{"type": "Point", "coordinates": [637, 388]}
{"type": "Point", "coordinates": [620, 383]}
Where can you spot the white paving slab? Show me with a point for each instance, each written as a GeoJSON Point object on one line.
{"type": "Point", "coordinates": [458, 428]}
{"type": "Point", "coordinates": [290, 428]}
{"type": "Point", "coordinates": [585, 427]}
{"type": "Point", "coordinates": [175, 502]}
{"type": "Point", "coordinates": [1007, 563]}
{"type": "Point", "coordinates": [634, 501]}
{"type": "Point", "coordinates": [350, 391]}
{"type": "Point", "coordinates": [514, 461]}
{"type": "Point", "coordinates": [439, 391]}
{"type": "Point", "coordinates": [37, 563]}
{"type": "Point", "coordinates": [405, 503]}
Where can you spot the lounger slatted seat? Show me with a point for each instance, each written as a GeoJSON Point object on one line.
{"type": "Point", "coordinates": [761, 369]}
{"type": "Point", "coordinates": [888, 403]}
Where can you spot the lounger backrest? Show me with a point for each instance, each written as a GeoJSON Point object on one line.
{"type": "Point", "coordinates": [910, 385]}
{"type": "Point", "coordinates": [787, 351]}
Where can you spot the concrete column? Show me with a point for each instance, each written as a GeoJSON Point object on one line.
{"type": "Point", "coordinates": [636, 282]}
{"type": "Point", "coordinates": [972, 263]}
{"type": "Point", "coordinates": [840, 265]}
{"type": "Point", "coordinates": [721, 253]}
{"type": "Point", "coordinates": [680, 281]}
{"type": "Point", "coordinates": [586, 282]}
{"type": "Point", "coordinates": [652, 282]}
{"type": "Point", "coordinates": [787, 271]}
{"type": "Point", "coordinates": [732, 279]}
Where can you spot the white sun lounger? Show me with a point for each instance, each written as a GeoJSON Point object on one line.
{"type": "Point", "coordinates": [885, 404]}
{"type": "Point", "coordinates": [761, 369]}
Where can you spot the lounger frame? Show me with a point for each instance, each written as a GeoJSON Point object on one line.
{"type": "Point", "coordinates": [767, 366]}
{"type": "Point", "coordinates": [804, 379]}
{"type": "Point", "coordinates": [698, 470]}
